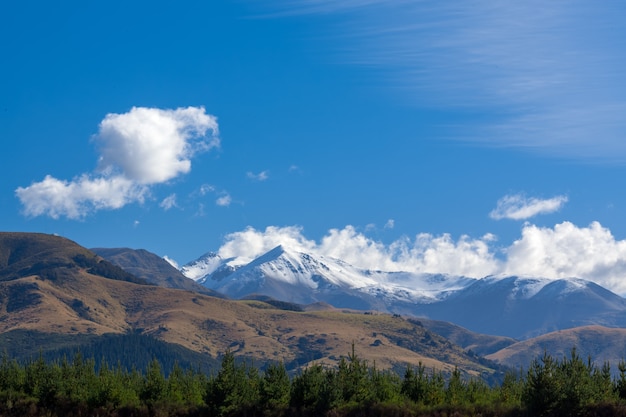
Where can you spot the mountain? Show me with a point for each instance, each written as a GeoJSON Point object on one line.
{"type": "Point", "coordinates": [600, 343]}
{"type": "Point", "coordinates": [52, 257]}
{"type": "Point", "coordinates": [152, 268]}
{"type": "Point", "coordinates": [521, 307]}
{"type": "Point", "coordinates": [510, 306]}
{"type": "Point", "coordinates": [76, 301]}
{"type": "Point", "coordinates": [479, 343]}
{"type": "Point", "coordinates": [305, 278]}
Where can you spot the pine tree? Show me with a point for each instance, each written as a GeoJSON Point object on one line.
{"type": "Point", "coordinates": [275, 387]}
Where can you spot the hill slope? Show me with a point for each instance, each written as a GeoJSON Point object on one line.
{"type": "Point", "coordinates": [152, 268]}
{"type": "Point", "coordinates": [52, 257]}
{"type": "Point", "coordinates": [79, 302]}
{"type": "Point", "coordinates": [600, 343]}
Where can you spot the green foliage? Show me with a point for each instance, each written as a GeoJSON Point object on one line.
{"type": "Point", "coordinates": [567, 387]}
{"type": "Point", "coordinates": [275, 387]}
{"type": "Point", "coordinates": [550, 387]}
{"type": "Point", "coordinates": [235, 387]}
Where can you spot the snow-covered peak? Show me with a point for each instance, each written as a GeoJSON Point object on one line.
{"type": "Point", "coordinates": [526, 287]}
{"type": "Point", "coordinates": [203, 266]}
{"type": "Point", "coordinates": [297, 268]}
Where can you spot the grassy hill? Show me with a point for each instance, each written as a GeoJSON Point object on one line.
{"type": "Point", "coordinates": [601, 343]}
{"type": "Point", "coordinates": [70, 298]}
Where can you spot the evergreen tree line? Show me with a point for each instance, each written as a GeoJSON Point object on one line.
{"type": "Point", "coordinates": [569, 386]}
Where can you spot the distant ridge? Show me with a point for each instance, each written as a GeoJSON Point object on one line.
{"type": "Point", "coordinates": [510, 306]}
{"type": "Point", "coordinates": [151, 268]}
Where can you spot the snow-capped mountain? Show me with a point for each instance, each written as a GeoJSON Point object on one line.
{"type": "Point", "coordinates": [305, 278]}
{"type": "Point", "coordinates": [210, 266]}
{"type": "Point", "coordinates": [517, 307]}
{"type": "Point", "coordinates": [522, 307]}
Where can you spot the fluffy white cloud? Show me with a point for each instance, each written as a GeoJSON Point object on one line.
{"type": "Point", "coordinates": [74, 199]}
{"type": "Point", "coordinates": [565, 250]}
{"type": "Point", "coordinates": [519, 207]}
{"type": "Point", "coordinates": [140, 148]}
{"type": "Point", "coordinates": [251, 243]}
{"type": "Point", "coordinates": [426, 254]}
{"type": "Point", "coordinates": [151, 145]}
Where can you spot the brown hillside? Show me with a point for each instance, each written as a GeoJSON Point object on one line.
{"type": "Point", "coordinates": [71, 298]}
{"type": "Point", "coordinates": [51, 257]}
{"type": "Point", "coordinates": [601, 343]}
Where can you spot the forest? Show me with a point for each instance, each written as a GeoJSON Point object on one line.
{"type": "Point", "coordinates": [568, 386]}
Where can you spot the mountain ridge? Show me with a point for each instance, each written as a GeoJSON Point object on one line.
{"type": "Point", "coordinates": [81, 302]}
{"type": "Point", "coordinates": [511, 306]}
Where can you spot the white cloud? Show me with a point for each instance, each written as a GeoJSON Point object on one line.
{"type": "Point", "coordinates": [224, 201]}
{"type": "Point", "coordinates": [519, 207]}
{"type": "Point", "coordinates": [169, 202]}
{"type": "Point", "coordinates": [206, 188]}
{"type": "Point", "coordinates": [261, 176]}
{"type": "Point", "coordinates": [390, 224]}
{"type": "Point", "coordinates": [151, 146]}
{"type": "Point", "coordinates": [426, 254]}
{"type": "Point", "coordinates": [140, 148]}
{"type": "Point", "coordinates": [549, 74]}
{"type": "Point", "coordinates": [566, 250]}
{"type": "Point", "coordinates": [171, 261]}
{"type": "Point", "coordinates": [251, 243]}
{"type": "Point", "coordinates": [73, 199]}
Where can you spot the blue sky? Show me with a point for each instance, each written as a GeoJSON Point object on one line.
{"type": "Point", "coordinates": [449, 137]}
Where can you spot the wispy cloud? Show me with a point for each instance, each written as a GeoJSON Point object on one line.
{"type": "Point", "coordinates": [168, 202]}
{"type": "Point", "coordinates": [171, 261]}
{"type": "Point", "coordinates": [261, 176]}
{"type": "Point", "coordinates": [520, 207]}
{"type": "Point", "coordinates": [138, 149]}
{"type": "Point", "coordinates": [549, 75]}
{"type": "Point", "coordinates": [563, 251]}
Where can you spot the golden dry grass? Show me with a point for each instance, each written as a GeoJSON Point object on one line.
{"type": "Point", "coordinates": [212, 325]}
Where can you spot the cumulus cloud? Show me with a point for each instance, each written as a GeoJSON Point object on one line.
{"type": "Point", "coordinates": [73, 199]}
{"type": "Point", "coordinates": [140, 148]}
{"type": "Point", "coordinates": [520, 207]}
{"type": "Point", "coordinates": [570, 251]}
{"type": "Point", "coordinates": [426, 253]}
{"type": "Point", "coordinates": [390, 224]}
{"type": "Point", "coordinates": [261, 176]}
{"type": "Point", "coordinates": [565, 250]}
{"type": "Point", "coordinates": [251, 243]}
